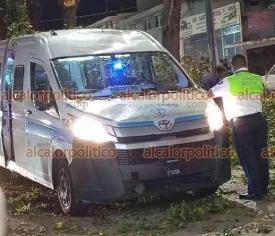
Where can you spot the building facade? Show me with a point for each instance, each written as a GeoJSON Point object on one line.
{"type": "Point", "coordinates": [111, 22]}
{"type": "Point", "coordinates": [193, 33]}
{"type": "Point", "coordinates": [148, 20]}
{"type": "Point", "coordinates": [259, 32]}
{"type": "Point", "coordinates": [241, 26]}
{"type": "Point", "coordinates": [227, 23]}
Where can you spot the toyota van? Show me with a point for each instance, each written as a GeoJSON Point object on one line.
{"type": "Point", "coordinates": [105, 115]}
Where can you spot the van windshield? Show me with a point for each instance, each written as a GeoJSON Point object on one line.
{"type": "Point", "coordinates": [106, 75]}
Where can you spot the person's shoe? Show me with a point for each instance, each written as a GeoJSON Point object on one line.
{"type": "Point", "coordinates": [252, 197]}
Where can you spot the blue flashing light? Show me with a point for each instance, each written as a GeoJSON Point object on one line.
{"type": "Point", "coordinates": [118, 65]}
{"type": "Point", "coordinates": [10, 60]}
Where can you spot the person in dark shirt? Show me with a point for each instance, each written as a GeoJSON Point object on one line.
{"type": "Point", "coordinates": [208, 82]}
{"type": "Point", "coordinates": [227, 66]}
{"type": "Point", "coordinates": [212, 79]}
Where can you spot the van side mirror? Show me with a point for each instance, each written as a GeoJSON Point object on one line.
{"type": "Point", "coordinates": [43, 97]}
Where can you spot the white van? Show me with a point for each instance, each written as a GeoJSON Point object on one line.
{"type": "Point", "coordinates": [105, 115]}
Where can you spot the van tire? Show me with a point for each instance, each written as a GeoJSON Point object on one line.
{"type": "Point", "coordinates": [4, 174]}
{"type": "Point", "coordinates": [65, 192]}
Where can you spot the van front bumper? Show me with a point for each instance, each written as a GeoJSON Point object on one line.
{"type": "Point", "coordinates": [129, 175]}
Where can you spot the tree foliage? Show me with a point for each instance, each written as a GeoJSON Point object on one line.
{"type": "Point", "coordinates": [35, 9]}
{"type": "Point", "coordinates": [196, 68]}
{"type": "Point", "coordinates": [3, 26]}
{"type": "Point", "coordinates": [19, 17]}
{"type": "Point", "coordinates": [14, 19]}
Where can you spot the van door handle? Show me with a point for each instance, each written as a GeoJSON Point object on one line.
{"type": "Point", "coordinates": [28, 112]}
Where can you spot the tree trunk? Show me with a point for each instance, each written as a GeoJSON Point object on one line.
{"type": "Point", "coordinates": [35, 10]}
{"type": "Point", "coordinates": [70, 12]}
{"type": "Point", "coordinates": [3, 29]}
{"type": "Point", "coordinates": [171, 26]}
{"type": "Point", "coordinates": [3, 25]}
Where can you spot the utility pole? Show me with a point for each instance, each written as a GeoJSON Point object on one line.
{"type": "Point", "coordinates": [211, 34]}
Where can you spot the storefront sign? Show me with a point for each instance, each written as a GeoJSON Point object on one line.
{"type": "Point", "coordinates": [232, 30]}
{"type": "Point", "coordinates": [225, 16]}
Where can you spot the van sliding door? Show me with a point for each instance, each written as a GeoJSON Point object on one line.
{"type": "Point", "coordinates": [2, 157]}
{"type": "Point", "coordinates": [18, 104]}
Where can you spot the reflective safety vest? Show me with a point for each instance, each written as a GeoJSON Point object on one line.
{"type": "Point", "coordinates": [245, 83]}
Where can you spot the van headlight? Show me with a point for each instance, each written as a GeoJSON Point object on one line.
{"type": "Point", "coordinates": [91, 130]}
{"type": "Point", "coordinates": [214, 116]}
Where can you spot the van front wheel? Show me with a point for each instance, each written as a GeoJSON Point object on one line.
{"type": "Point", "coordinates": [4, 174]}
{"type": "Point", "coordinates": [65, 193]}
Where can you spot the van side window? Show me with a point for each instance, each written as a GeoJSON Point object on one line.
{"type": "Point", "coordinates": [18, 83]}
{"type": "Point", "coordinates": [8, 75]}
{"type": "Point", "coordinates": [38, 76]}
{"type": "Point", "coordinates": [41, 89]}
{"type": "Point", "coordinates": [18, 78]}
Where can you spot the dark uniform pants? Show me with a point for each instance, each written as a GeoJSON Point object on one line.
{"type": "Point", "coordinates": [250, 137]}
{"type": "Point", "coordinates": [223, 131]}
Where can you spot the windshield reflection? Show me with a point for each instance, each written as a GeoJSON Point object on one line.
{"type": "Point", "coordinates": [107, 75]}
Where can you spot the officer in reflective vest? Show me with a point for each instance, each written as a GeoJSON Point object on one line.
{"type": "Point", "coordinates": [242, 99]}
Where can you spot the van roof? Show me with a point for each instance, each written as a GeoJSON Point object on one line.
{"type": "Point", "coordinates": [77, 42]}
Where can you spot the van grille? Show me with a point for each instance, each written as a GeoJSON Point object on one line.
{"type": "Point", "coordinates": [132, 157]}
{"type": "Point", "coordinates": [157, 137]}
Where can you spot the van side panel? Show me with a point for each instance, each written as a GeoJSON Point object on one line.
{"type": "Point", "coordinates": [40, 125]}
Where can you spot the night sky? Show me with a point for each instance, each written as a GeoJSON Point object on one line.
{"type": "Point", "coordinates": [52, 16]}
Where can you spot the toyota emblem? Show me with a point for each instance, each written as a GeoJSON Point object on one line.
{"type": "Point", "coordinates": [165, 125]}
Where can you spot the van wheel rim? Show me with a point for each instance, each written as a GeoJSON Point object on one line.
{"type": "Point", "coordinates": [64, 190]}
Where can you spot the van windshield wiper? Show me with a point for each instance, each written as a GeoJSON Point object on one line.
{"type": "Point", "coordinates": [108, 93]}
{"type": "Point", "coordinates": [84, 95]}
